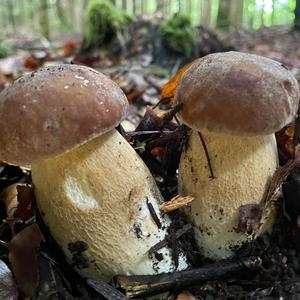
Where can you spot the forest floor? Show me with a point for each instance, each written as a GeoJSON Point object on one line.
{"type": "Point", "coordinates": [275, 273]}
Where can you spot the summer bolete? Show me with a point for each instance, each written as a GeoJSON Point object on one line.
{"type": "Point", "coordinates": [92, 189]}
{"type": "Point", "coordinates": [234, 103]}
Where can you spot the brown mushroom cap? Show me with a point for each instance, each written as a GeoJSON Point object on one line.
{"type": "Point", "coordinates": [237, 93]}
{"type": "Point", "coordinates": [55, 109]}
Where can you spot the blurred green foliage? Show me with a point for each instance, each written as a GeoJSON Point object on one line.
{"type": "Point", "coordinates": [103, 22]}
{"type": "Point", "coordinates": [177, 34]}
{"type": "Point", "coordinates": [5, 50]}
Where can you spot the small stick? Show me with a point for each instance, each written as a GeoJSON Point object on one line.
{"type": "Point", "coordinates": [176, 235]}
{"type": "Point", "coordinates": [169, 116]}
{"type": "Point", "coordinates": [147, 285]}
{"type": "Point", "coordinates": [106, 290]}
{"type": "Point", "coordinates": [153, 214]}
{"type": "Point", "coordinates": [212, 176]}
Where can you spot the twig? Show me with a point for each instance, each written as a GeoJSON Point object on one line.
{"type": "Point", "coordinates": [106, 290]}
{"type": "Point", "coordinates": [212, 176]}
{"type": "Point", "coordinates": [148, 285]}
{"type": "Point", "coordinates": [176, 203]}
{"type": "Point", "coordinates": [153, 214]}
{"type": "Point", "coordinates": [170, 115]}
{"type": "Point", "coordinates": [176, 235]}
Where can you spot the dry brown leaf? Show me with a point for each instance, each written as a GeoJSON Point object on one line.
{"type": "Point", "coordinates": [176, 203]}
{"type": "Point", "coordinates": [8, 288]}
{"type": "Point", "coordinates": [70, 47]}
{"type": "Point", "coordinates": [23, 258]}
{"type": "Point", "coordinates": [249, 218]}
{"type": "Point", "coordinates": [285, 140]}
{"type": "Point", "coordinates": [19, 201]}
{"type": "Point", "coordinates": [185, 295]}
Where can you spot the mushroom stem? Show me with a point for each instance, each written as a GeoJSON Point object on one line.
{"type": "Point", "coordinates": [242, 167]}
{"type": "Point", "coordinates": [96, 209]}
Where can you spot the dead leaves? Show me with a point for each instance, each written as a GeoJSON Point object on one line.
{"type": "Point", "coordinates": [20, 205]}
{"type": "Point", "coordinates": [22, 256]}
{"type": "Point", "coordinates": [19, 201]}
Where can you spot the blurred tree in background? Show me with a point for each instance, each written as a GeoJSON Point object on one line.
{"type": "Point", "coordinates": [52, 18]}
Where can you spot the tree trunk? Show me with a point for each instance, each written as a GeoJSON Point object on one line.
{"type": "Point", "coordinates": [205, 14]}
{"type": "Point", "coordinates": [11, 16]}
{"type": "Point", "coordinates": [124, 5]}
{"type": "Point", "coordinates": [297, 15]}
{"type": "Point", "coordinates": [236, 13]}
{"type": "Point", "coordinates": [159, 5]}
{"type": "Point", "coordinates": [223, 18]}
{"type": "Point", "coordinates": [44, 19]}
{"type": "Point", "coordinates": [134, 7]}
{"type": "Point", "coordinates": [61, 13]}
{"type": "Point", "coordinates": [188, 6]}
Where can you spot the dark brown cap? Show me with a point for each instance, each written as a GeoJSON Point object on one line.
{"type": "Point", "coordinates": [237, 93]}
{"type": "Point", "coordinates": [54, 109]}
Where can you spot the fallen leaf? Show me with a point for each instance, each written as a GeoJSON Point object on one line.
{"type": "Point", "coordinates": [285, 140]}
{"type": "Point", "coordinates": [8, 288]}
{"type": "Point", "coordinates": [169, 89]}
{"type": "Point", "coordinates": [69, 48]}
{"type": "Point", "coordinates": [22, 256]}
{"type": "Point", "coordinates": [176, 203]}
{"type": "Point", "coordinates": [19, 201]}
{"type": "Point", "coordinates": [249, 218]}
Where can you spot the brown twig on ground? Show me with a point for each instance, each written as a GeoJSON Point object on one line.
{"type": "Point", "coordinates": [176, 235]}
{"type": "Point", "coordinates": [147, 285]}
{"type": "Point", "coordinates": [176, 203]}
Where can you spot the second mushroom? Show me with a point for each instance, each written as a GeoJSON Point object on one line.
{"type": "Point", "coordinates": [234, 103]}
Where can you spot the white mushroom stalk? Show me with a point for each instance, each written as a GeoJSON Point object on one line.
{"type": "Point", "coordinates": [98, 195]}
{"type": "Point", "coordinates": [242, 169]}
{"type": "Point", "coordinates": [234, 102]}
{"type": "Point", "coordinates": [93, 190]}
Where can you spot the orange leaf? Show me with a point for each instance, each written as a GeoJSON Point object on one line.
{"type": "Point", "coordinates": [285, 140]}
{"type": "Point", "coordinates": [169, 89]}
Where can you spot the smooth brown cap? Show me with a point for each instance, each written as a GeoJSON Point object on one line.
{"type": "Point", "coordinates": [54, 109]}
{"type": "Point", "coordinates": [237, 93]}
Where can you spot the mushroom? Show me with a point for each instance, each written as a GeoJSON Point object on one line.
{"type": "Point", "coordinates": [93, 191]}
{"type": "Point", "coordinates": [234, 103]}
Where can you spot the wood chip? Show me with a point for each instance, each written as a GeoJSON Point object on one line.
{"type": "Point", "coordinates": [176, 203]}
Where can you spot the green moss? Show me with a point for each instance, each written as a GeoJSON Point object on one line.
{"type": "Point", "coordinates": [103, 23]}
{"type": "Point", "coordinates": [4, 50]}
{"type": "Point", "coordinates": [177, 34]}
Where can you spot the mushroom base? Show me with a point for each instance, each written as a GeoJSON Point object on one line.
{"type": "Point", "coordinates": [243, 167]}
{"type": "Point", "coordinates": [94, 201]}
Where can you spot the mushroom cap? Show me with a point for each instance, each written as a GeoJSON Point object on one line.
{"type": "Point", "coordinates": [237, 93]}
{"type": "Point", "coordinates": [55, 109]}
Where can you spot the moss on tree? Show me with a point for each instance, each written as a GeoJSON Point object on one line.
{"type": "Point", "coordinates": [103, 24]}
{"type": "Point", "coordinates": [177, 35]}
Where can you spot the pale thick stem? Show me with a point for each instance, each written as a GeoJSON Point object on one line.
{"type": "Point", "coordinates": [97, 194]}
{"type": "Point", "coordinates": [242, 167]}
